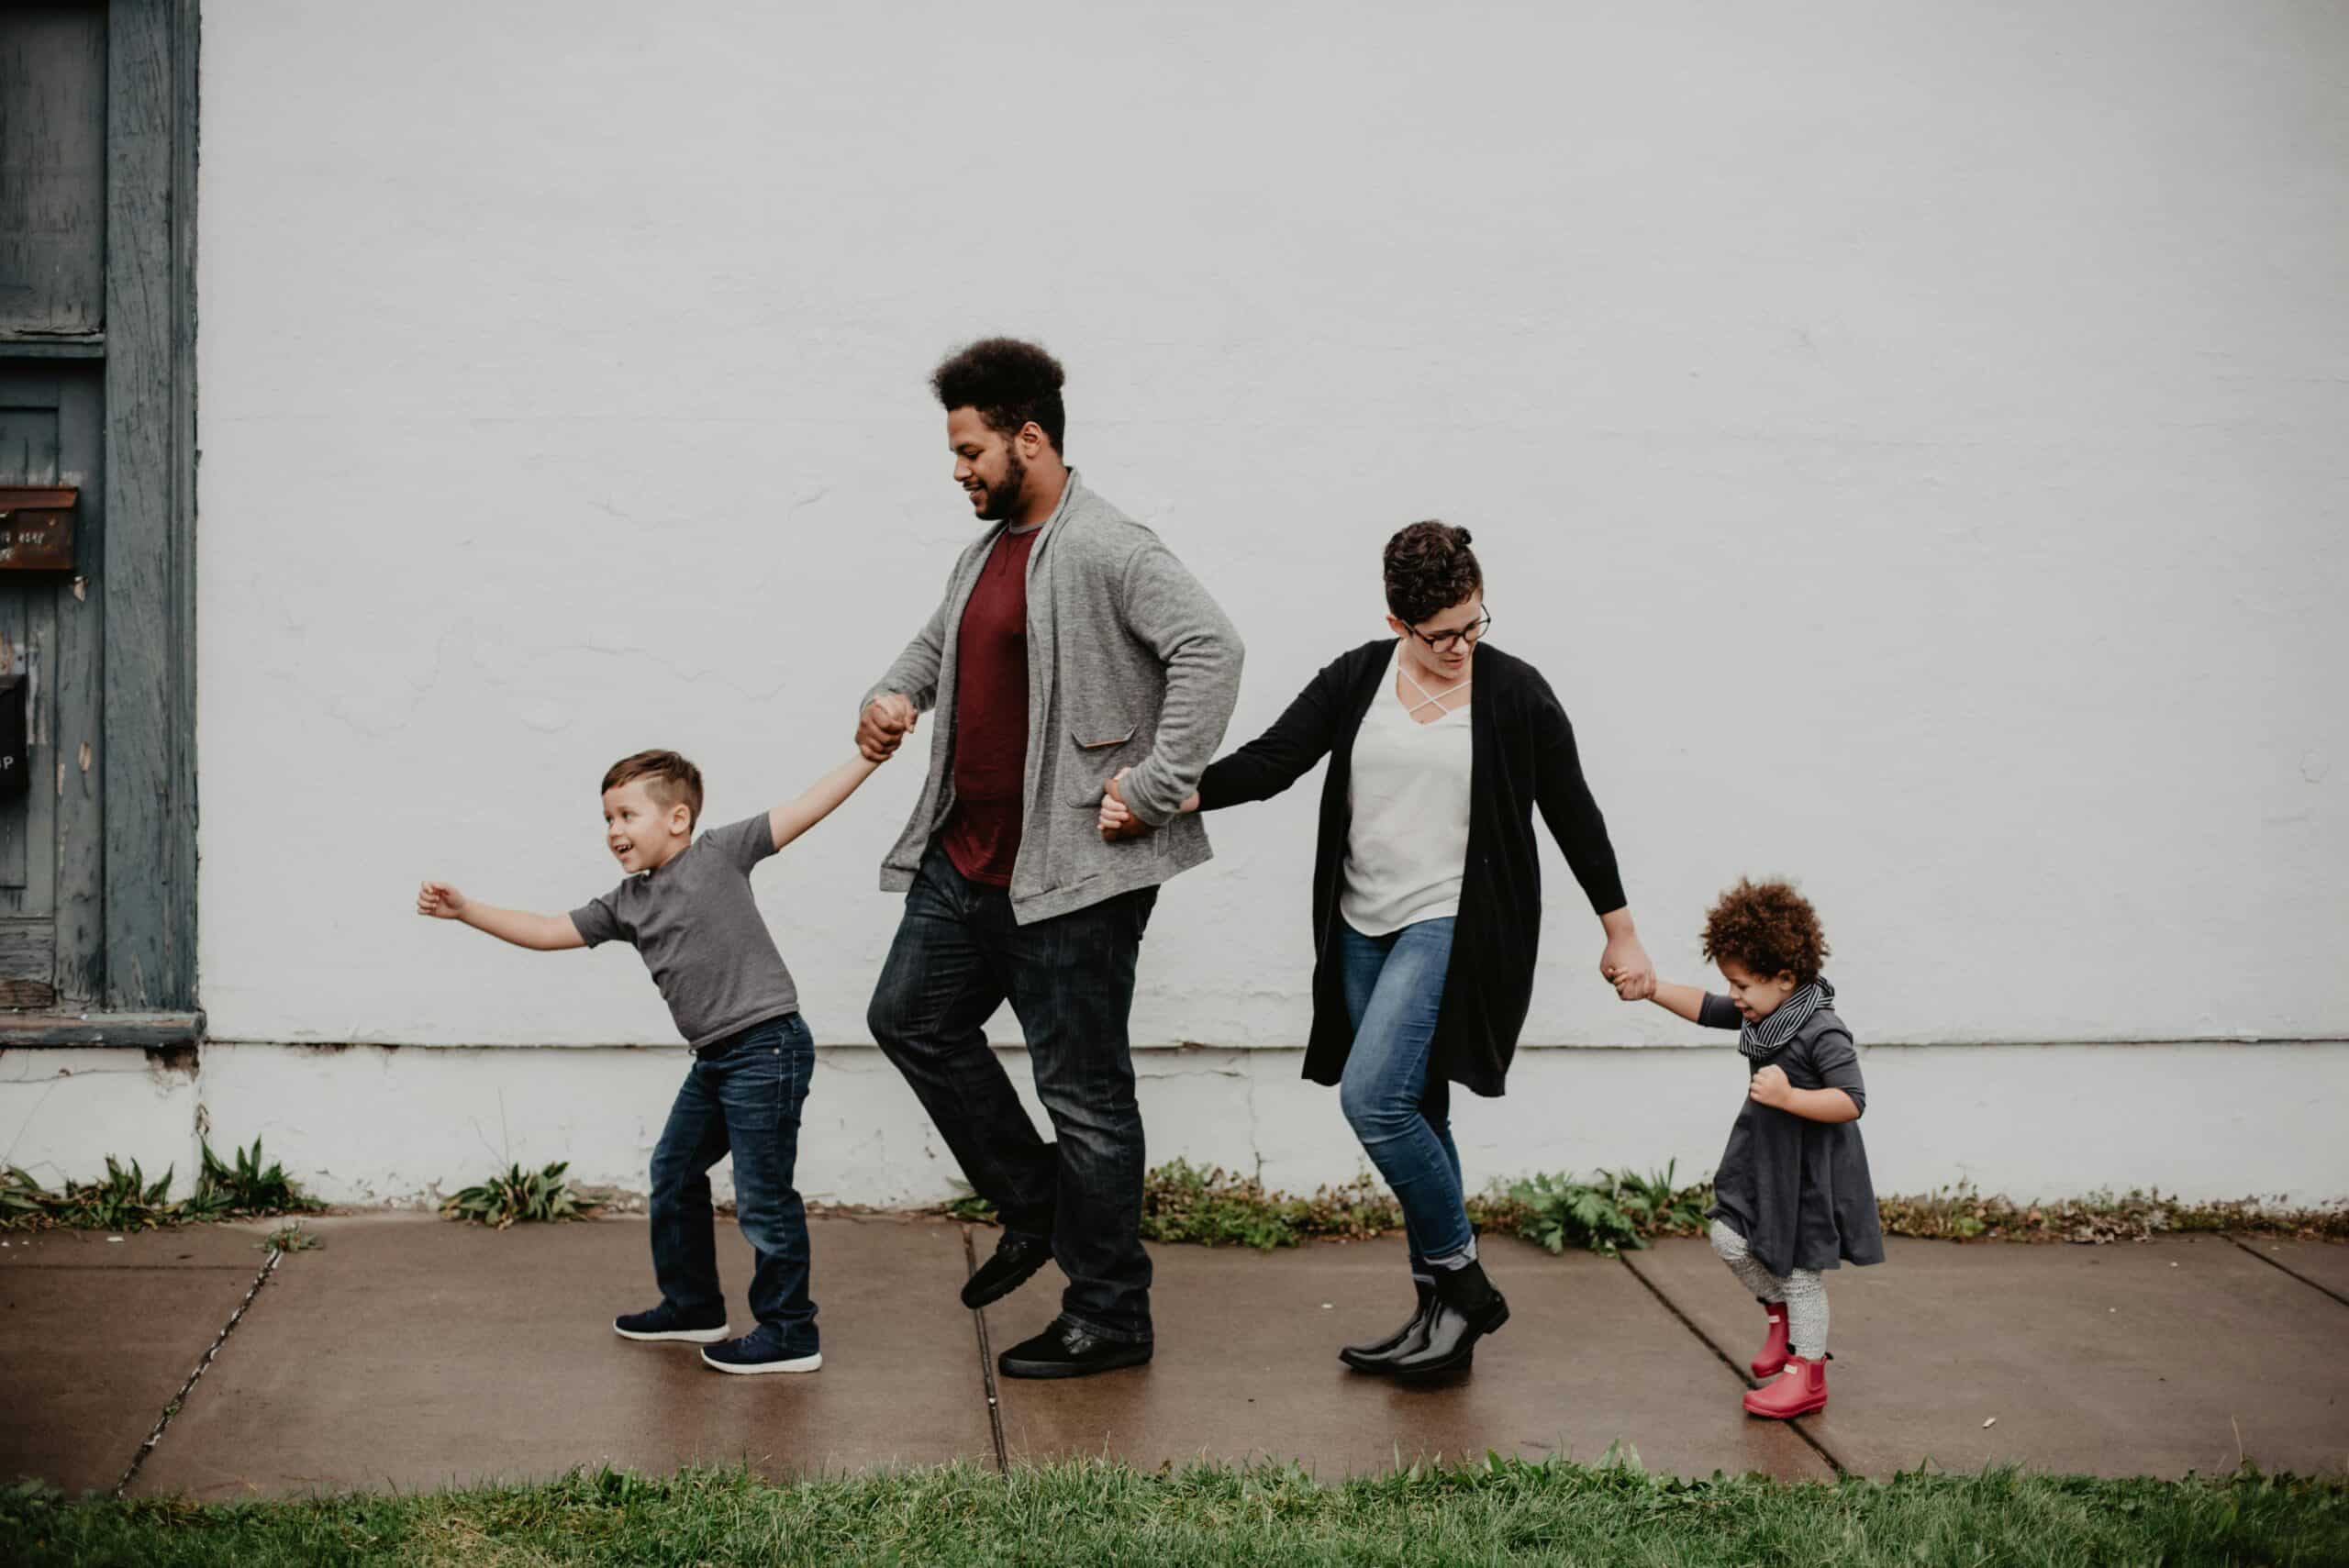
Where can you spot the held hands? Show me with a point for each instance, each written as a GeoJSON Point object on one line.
{"type": "Point", "coordinates": [1636, 988]}
{"type": "Point", "coordinates": [1117, 819]}
{"type": "Point", "coordinates": [441, 901]}
{"type": "Point", "coordinates": [1769, 1087]}
{"type": "Point", "coordinates": [1625, 966]}
{"type": "Point", "coordinates": [882, 727]}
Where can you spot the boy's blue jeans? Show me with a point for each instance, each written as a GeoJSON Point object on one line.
{"type": "Point", "coordinates": [743, 1097]}
{"type": "Point", "coordinates": [1401, 1111]}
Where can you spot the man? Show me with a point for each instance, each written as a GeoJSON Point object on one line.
{"type": "Point", "coordinates": [1070, 645]}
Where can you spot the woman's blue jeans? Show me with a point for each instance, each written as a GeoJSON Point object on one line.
{"type": "Point", "coordinates": [1402, 1112]}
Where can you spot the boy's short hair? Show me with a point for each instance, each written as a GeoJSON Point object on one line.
{"type": "Point", "coordinates": [1429, 568]}
{"type": "Point", "coordinates": [1768, 927]}
{"type": "Point", "coordinates": [1009, 383]}
{"type": "Point", "coordinates": [669, 779]}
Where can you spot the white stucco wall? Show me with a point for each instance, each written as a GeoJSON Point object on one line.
{"type": "Point", "coordinates": [388, 1124]}
{"type": "Point", "coordinates": [1956, 393]}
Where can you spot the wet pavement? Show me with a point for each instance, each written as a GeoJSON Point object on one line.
{"type": "Point", "coordinates": [409, 1352]}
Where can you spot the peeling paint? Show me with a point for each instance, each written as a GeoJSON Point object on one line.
{"type": "Point", "coordinates": [177, 1059]}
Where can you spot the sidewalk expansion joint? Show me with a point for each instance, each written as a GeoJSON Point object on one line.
{"type": "Point", "coordinates": [2280, 1265]}
{"type": "Point", "coordinates": [130, 1472]}
{"type": "Point", "coordinates": [986, 1361]}
{"type": "Point", "coordinates": [1736, 1370]}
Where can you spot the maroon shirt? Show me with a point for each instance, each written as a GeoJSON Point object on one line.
{"type": "Point", "coordinates": [982, 836]}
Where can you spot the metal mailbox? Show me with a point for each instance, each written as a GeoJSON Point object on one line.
{"type": "Point", "coordinates": [36, 527]}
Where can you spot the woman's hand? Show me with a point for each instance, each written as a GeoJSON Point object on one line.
{"type": "Point", "coordinates": [1636, 988]}
{"type": "Point", "coordinates": [1625, 964]}
{"type": "Point", "coordinates": [1770, 1087]}
{"type": "Point", "coordinates": [1117, 819]}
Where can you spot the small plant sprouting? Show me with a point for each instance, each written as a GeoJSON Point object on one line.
{"type": "Point", "coordinates": [125, 1200]}
{"type": "Point", "coordinates": [245, 1189]}
{"type": "Point", "coordinates": [293, 1237]}
{"type": "Point", "coordinates": [518, 1196]}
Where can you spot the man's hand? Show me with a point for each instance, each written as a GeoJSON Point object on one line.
{"type": "Point", "coordinates": [882, 727]}
{"type": "Point", "coordinates": [1625, 964]}
{"type": "Point", "coordinates": [1117, 819]}
{"type": "Point", "coordinates": [441, 901]}
{"type": "Point", "coordinates": [1770, 1087]}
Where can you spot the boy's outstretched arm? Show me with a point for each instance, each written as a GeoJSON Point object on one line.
{"type": "Point", "coordinates": [793, 817]}
{"type": "Point", "coordinates": [540, 933]}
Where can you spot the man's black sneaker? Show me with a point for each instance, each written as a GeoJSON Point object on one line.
{"type": "Point", "coordinates": [766, 1349]}
{"type": "Point", "coordinates": [1017, 1258]}
{"type": "Point", "coordinates": [1067, 1350]}
{"type": "Point", "coordinates": [665, 1322]}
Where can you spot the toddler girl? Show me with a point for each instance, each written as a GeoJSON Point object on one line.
{"type": "Point", "coordinates": [1792, 1196]}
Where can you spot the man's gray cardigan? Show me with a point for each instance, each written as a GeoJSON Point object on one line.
{"type": "Point", "coordinates": [1130, 664]}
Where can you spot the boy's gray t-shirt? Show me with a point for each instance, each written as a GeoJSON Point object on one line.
{"type": "Point", "coordinates": [699, 930]}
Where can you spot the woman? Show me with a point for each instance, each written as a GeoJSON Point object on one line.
{"type": "Point", "coordinates": [1427, 898]}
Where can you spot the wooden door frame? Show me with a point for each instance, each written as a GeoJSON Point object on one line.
{"type": "Point", "coordinates": [146, 571]}
{"type": "Point", "coordinates": [149, 786]}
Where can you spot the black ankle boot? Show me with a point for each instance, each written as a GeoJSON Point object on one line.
{"type": "Point", "coordinates": [1467, 1308]}
{"type": "Point", "coordinates": [1380, 1355]}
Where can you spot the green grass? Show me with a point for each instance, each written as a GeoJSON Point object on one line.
{"type": "Point", "coordinates": [1090, 1512]}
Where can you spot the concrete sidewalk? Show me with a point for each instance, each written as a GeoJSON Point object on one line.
{"type": "Point", "coordinates": [410, 1353]}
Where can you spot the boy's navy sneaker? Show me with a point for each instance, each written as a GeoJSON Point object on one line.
{"type": "Point", "coordinates": [665, 1322]}
{"type": "Point", "coordinates": [766, 1349]}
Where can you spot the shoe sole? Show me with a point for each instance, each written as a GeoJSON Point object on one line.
{"type": "Point", "coordinates": [1784, 1415]}
{"type": "Point", "coordinates": [975, 1300]}
{"type": "Point", "coordinates": [1010, 1368]}
{"type": "Point", "coordinates": [797, 1363]}
{"type": "Point", "coordinates": [676, 1336]}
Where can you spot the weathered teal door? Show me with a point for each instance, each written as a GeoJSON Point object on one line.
{"type": "Point", "coordinates": [97, 820]}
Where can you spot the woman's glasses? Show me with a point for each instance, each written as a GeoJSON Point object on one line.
{"type": "Point", "coordinates": [1445, 641]}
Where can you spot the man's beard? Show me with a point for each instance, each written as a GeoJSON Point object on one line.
{"type": "Point", "coordinates": [1003, 500]}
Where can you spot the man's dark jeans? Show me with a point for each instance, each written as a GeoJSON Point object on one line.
{"type": "Point", "coordinates": [958, 956]}
{"type": "Point", "coordinates": [741, 1095]}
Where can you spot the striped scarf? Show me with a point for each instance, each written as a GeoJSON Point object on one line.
{"type": "Point", "coordinates": [1764, 1040]}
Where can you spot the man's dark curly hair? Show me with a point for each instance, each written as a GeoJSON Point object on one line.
{"type": "Point", "coordinates": [1429, 568]}
{"type": "Point", "coordinates": [1768, 927]}
{"type": "Point", "coordinates": [1008, 382]}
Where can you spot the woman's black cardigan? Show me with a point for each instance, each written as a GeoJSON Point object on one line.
{"type": "Point", "coordinates": [1524, 757]}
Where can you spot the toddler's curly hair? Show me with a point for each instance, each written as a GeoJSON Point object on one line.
{"type": "Point", "coordinates": [1768, 927]}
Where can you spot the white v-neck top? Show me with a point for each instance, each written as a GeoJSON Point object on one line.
{"type": "Point", "coordinates": [1409, 844]}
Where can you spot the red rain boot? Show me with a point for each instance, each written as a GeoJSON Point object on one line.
{"type": "Point", "coordinates": [1772, 1358]}
{"type": "Point", "coordinates": [1797, 1391]}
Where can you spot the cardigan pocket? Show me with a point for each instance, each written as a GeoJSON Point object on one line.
{"type": "Point", "coordinates": [1100, 748]}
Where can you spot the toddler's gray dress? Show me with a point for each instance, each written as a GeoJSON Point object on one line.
{"type": "Point", "coordinates": [1798, 1190]}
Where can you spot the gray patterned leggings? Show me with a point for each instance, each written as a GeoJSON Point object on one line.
{"type": "Point", "coordinates": [1803, 1290]}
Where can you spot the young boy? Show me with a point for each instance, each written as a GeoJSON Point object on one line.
{"type": "Point", "coordinates": [686, 907]}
